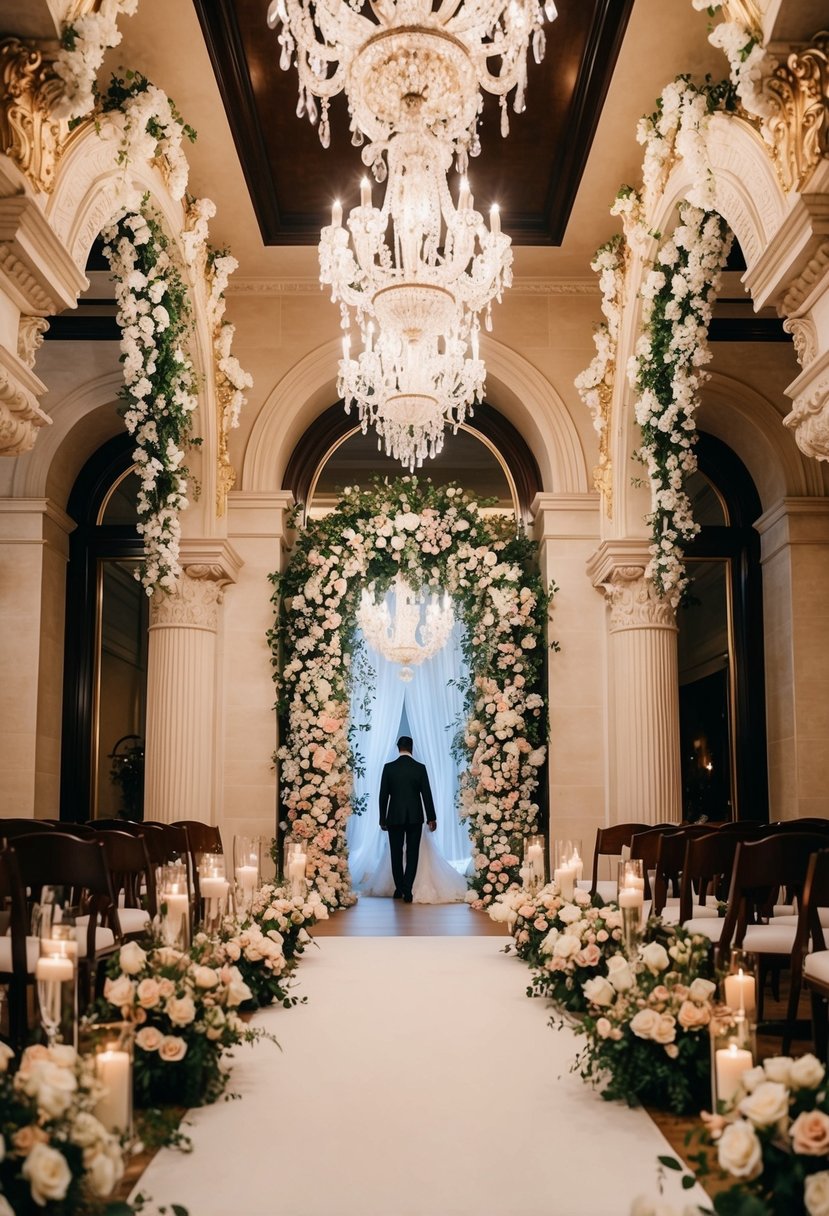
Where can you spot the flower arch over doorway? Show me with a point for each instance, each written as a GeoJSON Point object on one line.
{"type": "Point", "coordinates": [438, 537]}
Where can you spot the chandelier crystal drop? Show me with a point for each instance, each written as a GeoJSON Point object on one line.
{"type": "Point", "coordinates": [394, 55]}
{"type": "Point", "coordinates": [418, 628]}
{"type": "Point", "coordinates": [413, 277]}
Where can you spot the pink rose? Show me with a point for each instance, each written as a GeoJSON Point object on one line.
{"type": "Point", "coordinates": [172, 1049]}
{"type": "Point", "coordinates": [330, 724]}
{"type": "Point", "coordinates": [693, 1017]}
{"type": "Point", "coordinates": [540, 923]}
{"type": "Point", "coordinates": [810, 1133]}
{"type": "Point", "coordinates": [589, 956]}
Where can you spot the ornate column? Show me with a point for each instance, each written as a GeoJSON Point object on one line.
{"type": "Point", "coordinates": [643, 694]}
{"type": "Point", "coordinates": [182, 701]}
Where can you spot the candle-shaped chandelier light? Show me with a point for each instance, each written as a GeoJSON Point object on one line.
{"type": "Point", "coordinates": [418, 629]}
{"type": "Point", "coordinates": [413, 278]}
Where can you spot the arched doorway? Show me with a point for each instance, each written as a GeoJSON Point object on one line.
{"type": "Point", "coordinates": [107, 618]}
{"type": "Point", "coordinates": [721, 666]}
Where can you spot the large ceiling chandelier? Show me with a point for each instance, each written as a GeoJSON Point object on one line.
{"type": "Point", "coordinates": [392, 54]}
{"type": "Point", "coordinates": [418, 629]}
{"type": "Point", "coordinates": [414, 277]}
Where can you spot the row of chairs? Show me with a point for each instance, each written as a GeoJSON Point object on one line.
{"type": "Point", "coordinates": [109, 867]}
{"type": "Point", "coordinates": [741, 885]}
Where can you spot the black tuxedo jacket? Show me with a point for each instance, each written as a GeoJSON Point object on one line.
{"type": "Point", "coordinates": [405, 793]}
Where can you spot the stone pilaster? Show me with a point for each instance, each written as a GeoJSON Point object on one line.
{"type": "Point", "coordinates": [182, 695]}
{"type": "Point", "coordinates": [643, 693]}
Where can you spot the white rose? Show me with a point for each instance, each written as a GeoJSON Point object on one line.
{"type": "Point", "coordinates": [665, 1031]}
{"type": "Point", "coordinates": [778, 1068]}
{"type": "Point", "coordinates": [6, 1054]}
{"type": "Point", "coordinates": [149, 1038]}
{"type": "Point", "coordinates": [598, 991]}
{"type": "Point", "coordinates": [120, 992]}
{"type": "Point", "coordinates": [816, 1194]}
{"type": "Point", "coordinates": [767, 1105]}
{"type": "Point", "coordinates": [47, 1173]}
{"type": "Point", "coordinates": [655, 957]}
{"type": "Point", "coordinates": [180, 1010]}
{"type": "Point", "coordinates": [204, 977]}
{"type": "Point", "coordinates": [87, 1130]}
{"type": "Point", "coordinates": [645, 1023]}
{"type": "Point", "coordinates": [102, 1175]}
{"type": "Point", "coordinates": [131, 958]}
{"type": "Point", "coordinates": [752, 1078]}
{"type": "Point", "coordinates": [738, 1150]}
{"type": "Point", "coordinates": [569, 914]}
{"type": "Point", "coordinates": [53, 1088]}
{"type": "Point", "coordinates": [701, 990]}
{"type": "Point", "coordinates": [619, 972]}
{"type": "Point", "coordinates": [566, 946]}
{"type": "Point", "coordinates": [237, 989]}
{"type": "Point", "coordinates": [806, 1073]}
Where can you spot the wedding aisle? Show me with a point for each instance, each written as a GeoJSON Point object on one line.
{"type": "Point", "coordinates": [418, 1081]}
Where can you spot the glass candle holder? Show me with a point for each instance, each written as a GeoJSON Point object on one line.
{"type": "Point", "coordinates": [568, 866]}
{"type": "Point", "coordinates": [214, 889]}
{"type": "Point", "coordinates": [296, 870]}
{"type": "Point", "coordinates": [111, 1044]}
{"type": "Point", "coordinates": [290, 848]}
{"type": "Point", "coordinates": [56, 973]}
{"type": "Point", "coordinates": [739, 985]}
{"type": "Point", "coordinates": [733, 1052]}
{"type": "Point", "coordinates": [631, 902]}
{"type": "Point", "coordinates": [174, 905]}
{"type": "Point", "coordinates": [534, 863]}
{"type": "Point", "coordinates": [246, 869]}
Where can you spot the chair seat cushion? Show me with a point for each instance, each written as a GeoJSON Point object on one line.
{"type": "Point", "coordinates": [104, 938]}
{"type": "Point", "coordinates": [770, 939]}
{"type": "Point", "coordinates": [32, 953]}
{"type": "Point", "coordinates": [705, 926]}
{"type": "Point", "coordinates": [133, 920]}
{"type": "Point", "coordinates": [606, 889]}
{"type": "Point", "coordinates": [816, 966]}
{"type": "Point", "coordinates": [823, 915]}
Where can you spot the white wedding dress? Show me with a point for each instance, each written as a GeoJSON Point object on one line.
{"type": "Point", "coordinates": [436, 882]}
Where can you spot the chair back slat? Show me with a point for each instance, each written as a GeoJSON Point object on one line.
{"type": "Point", "coordinates": [707, 867]}
{"type": "Point", "coordinates": [670, 854]}
{"type": "Point", "coordinates": [130, 869]}
{"type": "Point", "coordinates": [10, 829]}
{"type": "Point", "coordinates": [644, 846]}
{"type": "Point", "coordinates": [609, 843]}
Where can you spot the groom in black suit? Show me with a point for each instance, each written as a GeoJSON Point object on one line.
{"type": "Point", "coordinates": [404, 796]}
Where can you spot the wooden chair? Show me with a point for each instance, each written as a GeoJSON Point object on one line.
{"type": "Point", "coordinates": [706, 877]}
{"type": "Point", "coordinates": [761, 868]}
{"type": "Point", "coordinates": [133, 881]}
{"type": "Point", "coordinates": [670, 854]}
{"type": "Point", "coordinates": [813, 967]}
{"type": "Point", "coordinates": [19, 950]}
{"type": "Point", "coordinates": [81, 830]}
{"type": "Point", "coordinates": [609, 843]}
{"type": "Point", "coordinates": [644, 846]}
{"type": "Point", "coordinates": [58, 859]}
{"type": "Point", "coordinates": [10, 829]}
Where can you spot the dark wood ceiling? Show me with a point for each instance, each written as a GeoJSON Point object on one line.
{"type": "Point", "coordinates": [533, 174]}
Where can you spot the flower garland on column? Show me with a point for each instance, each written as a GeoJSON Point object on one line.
{"type": "Point", "coordinates": [439, 538]}
{"type": "Point", "coordinates": [749, 62]}
{"type": "Point", "coordinates": [84, 42]}
{"type": "Point", "coordinates": [159, 382]}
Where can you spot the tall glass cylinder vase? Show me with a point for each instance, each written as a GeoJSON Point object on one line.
{"type": "Point", "coordinates": [739, 985]}
{"type": "Point", "coordinates": [296, 864]}
{"type": "Point", "coordinates": [111, 1046]}
{"type": "Point", "coordinates": [214, 888]}
{"type": "Point", "coordinates": [535, 870]}
{"type": "Point", "coordinates": [733, 1052]}
{"type": "Point", "coordinates": [631, 903]}
{"type": "Point", "coordinates": [246, 870]}
{"type": "Point", "coordinates": [174, 905]}
{"type": "Point", "coordinates": [568, 866]}
{"type": "Point", "coordinates": [56, 973]}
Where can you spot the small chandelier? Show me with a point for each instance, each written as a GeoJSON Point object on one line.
{"type": "Point", "coordinates": [406, 638]}
{"type": "Point", "coordinates": [414, 277]}
{"type": "Point", "coordinates": [409, 53]}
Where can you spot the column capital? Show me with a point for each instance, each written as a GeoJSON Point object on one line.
{"type": "Point", "coordinates": [208, 567]}
{"type": "Point", "coordinates": [617, 569]}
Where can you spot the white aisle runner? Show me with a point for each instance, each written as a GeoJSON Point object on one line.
{"type": "Point", "coordinates": [419, 1080]}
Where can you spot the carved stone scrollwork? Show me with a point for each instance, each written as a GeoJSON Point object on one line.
{"type": "Point", "coordinates": [30, 338]}
{"type": "Point", "coordinates": [809, 419]}
{"type": "Point", "coordinates": [799, 130]}
{"type": "Point", "coordinates": [603, 471]}
{"type": "Point", "coordinates": [195, 602]}
{"type": "Point", "coordinates": [29, 134]}
{"type": "Point", "coordinates": [20, 417]}
{"type": "Point", "coordinates": [634, 601]}
{"type": "Point", "coordinates": [225, 472]}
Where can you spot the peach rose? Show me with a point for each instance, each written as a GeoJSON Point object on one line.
{"type": "Point", "coordinates": [48, 1174]}
{"type": "Point", "coordinates": [149, 1038]}
{"type": "Point", "coordinates": [172, 1049]}
{"type": "Point", "coordinates": [739, 1152]}
{"type": "Point", "coordinates": [693, 1017]}
{"type": "Point", "coordinates": [810, 1133]}
{"type": "Point", "coordinates": [148, 993]}
{"type": "Point", "coordinates": [25, 1138]}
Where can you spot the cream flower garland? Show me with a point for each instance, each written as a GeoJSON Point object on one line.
{"type": "Point", "coordinates": [749, 62]}
{"type": "Point", "coordinates": [609, 264]}
{"type": "Point", "coordinates": [84, 42]}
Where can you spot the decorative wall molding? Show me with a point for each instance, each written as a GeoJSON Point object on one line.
{"type": "Point", "coordinates": [36, 270]}
{"type": "Point", "coordinates": [809, 418]}
{"type": "Point", "coordinates": [804, 336]}
{"type": "Point", "coordinates": [809, 277]}
{"type": "Point", "coordinates": [30, 334]}
{"type": "Point", "coordinates": [30, 135]}
{"type": "Point", "coordinates": [20, 416]}
{"type": "Point", "coordinates": [798, 130]}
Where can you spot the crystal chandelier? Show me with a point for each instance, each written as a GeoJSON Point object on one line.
{"type": "Point", "coordinates": [414, 277]}
{"type": "Point", "coordinates": [396, 637]}
{"type": "Point", "coordinates": [393, 54]}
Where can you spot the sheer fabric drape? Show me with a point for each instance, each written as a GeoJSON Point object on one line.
{"type": "Point", "coordinates": [433, 703]}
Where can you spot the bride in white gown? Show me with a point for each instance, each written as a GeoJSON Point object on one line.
{"type": "Point", "coordinates": [436, 882]}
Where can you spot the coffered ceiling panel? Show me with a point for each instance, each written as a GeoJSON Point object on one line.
{"type": "Point", "coordinates": [533, 174]}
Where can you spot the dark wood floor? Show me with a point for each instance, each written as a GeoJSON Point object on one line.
{"type": "Point", "coordinates": [392, 918]}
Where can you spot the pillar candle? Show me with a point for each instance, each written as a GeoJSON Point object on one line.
{"type": "Point", "coordinates": [246, 877]}
{"type": "Point", "coordinates": [214, 888]}
{"type": "Point", "coordinates": [740, 993]}
{"type": "Point", "coordinates": [631, 897]}
{"type": "Point", "coordinates": [113, 1108]}
{"type": "Point", "coordinates": [565, 876]}
{"type": "Point", "coordinates": [730, 1064]}
{"type": "Point", "coordinates": [55, 970]}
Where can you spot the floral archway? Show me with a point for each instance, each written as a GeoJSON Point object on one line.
{"type": "Point", "coordinates": [438, 537]}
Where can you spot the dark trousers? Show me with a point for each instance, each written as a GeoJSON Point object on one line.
{"type": "Point", "coordinates": [410, 833]}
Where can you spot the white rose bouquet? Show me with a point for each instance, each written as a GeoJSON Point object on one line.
{"type": "Point", "coordinates": [260, 959]}
{"type": "Point", "coordinates": [55, 1156]}
{"type": "Point", "coordinates": [647, 1022]}
{"type": "Point", "coordinates": [185, 1009]}
{"type": "Point", "coordinates": [773, 1144]}
{"type": "Point", "coordinates": [277, 912]}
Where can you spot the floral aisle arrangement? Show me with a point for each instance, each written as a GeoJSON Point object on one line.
{"type": "Point", "coordinates": [771, 1146]}
{"type": "Point", "coordinates": [258, 957]}
{"type": "Point", "coordinates": [56, 1158]}
{"type": "Point", "coordinates": [749, 62]}
{"type": "Point", "coordinates": [159, 383]}
{"type": "Point", "coordinates": [184, 1006]}
{"type": "Point", "coordinates": [647, 1022]}
{"type": "Point", "coordinates": [440, 539]}
{"type": "Point", "coordinates": [276, 911]}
